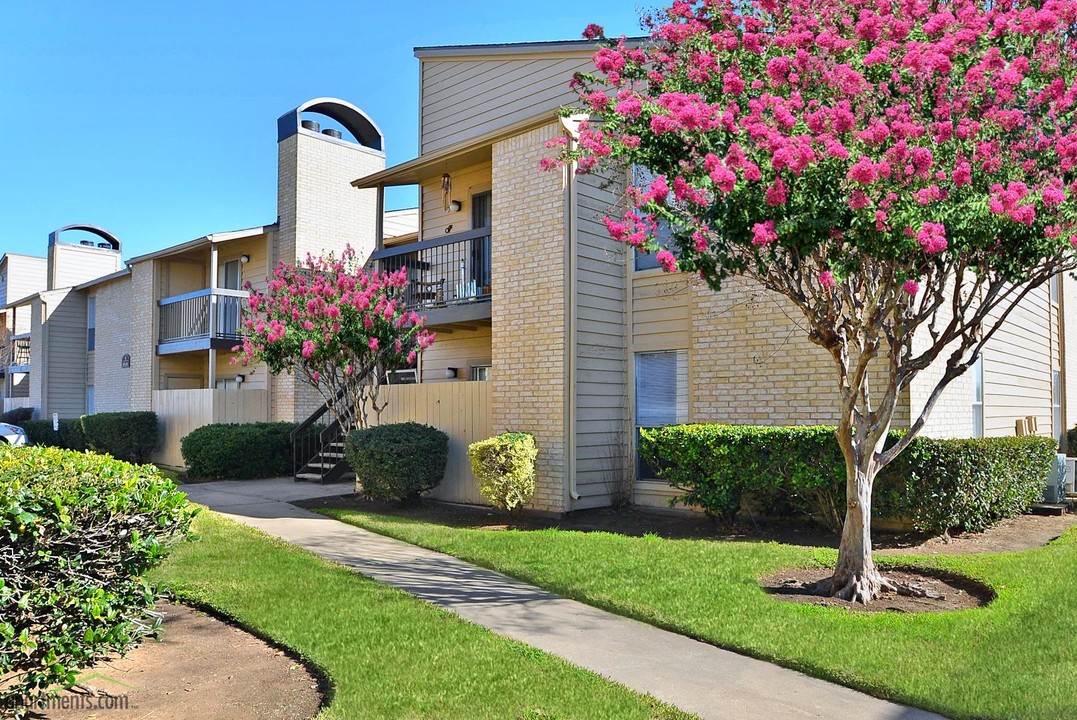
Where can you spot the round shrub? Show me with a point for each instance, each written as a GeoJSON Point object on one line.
{"type": "Point", "coordinates": [78, 532]}
{"type": "Point", "coordinates": [398, 461]}
{"type": "Point", "coordinates": [239, 452]}
{"type": "Point", "coordinates": [130, 436]}
{"type": "Point", "coordinates": [505, 467]}
{"type": "Point", "coordinates": [17, 415]}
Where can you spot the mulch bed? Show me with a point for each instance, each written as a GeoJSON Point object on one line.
{"type": "Point", "coordinates": [958, 593]}
{"type": "Point", "coordinates": [1020, 533]}
{"type": "Point", "coordinates": [201, 668]}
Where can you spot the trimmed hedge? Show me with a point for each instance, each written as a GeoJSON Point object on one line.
{"type": "Point", "coordinates": [505, 467]}
{"type": "Point", "coordinates": [398, 461]}
{"type": "Point", "coordinates": [239, 452]}
{"type": "Point", "coordinates": [79, 531]}
{"type": "Point", "coordinates": [16, 416]}
{"type": "Point", "coordinates": [69, 437]}
{"type": "Point", "coordinates": [939, 485]}
{"type": "Point", "coordinates": [129, 436]}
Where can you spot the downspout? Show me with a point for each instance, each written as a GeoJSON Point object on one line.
{"type": "Point", "coordinates": [571, 124]}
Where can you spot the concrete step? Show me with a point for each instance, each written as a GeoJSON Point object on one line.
{"type": "Point", "coordinates": [1048, 509]}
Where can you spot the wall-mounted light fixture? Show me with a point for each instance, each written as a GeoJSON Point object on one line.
{"type": "Point", "coordinates": [240, 379]}
{"type": "Point", "coordinates": [455, 206]}
{"type": "Point", "coordinates": [450, 372]}
{"type": "Point", "coordinates": [244, 259]}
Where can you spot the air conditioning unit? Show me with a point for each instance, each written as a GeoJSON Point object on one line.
{"type": "Point", "coordinates": [1055, 492]}
{"type": "Point", "coordinates": [1071, 474]}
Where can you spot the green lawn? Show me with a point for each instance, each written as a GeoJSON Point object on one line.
{"type": "Point", "coordinates": [1016, 658]}
{"type": "Point", "coordinates": [387, 654]}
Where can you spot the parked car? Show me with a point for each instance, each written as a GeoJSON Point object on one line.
{"type": "Point", "coordinates": [13, 434]}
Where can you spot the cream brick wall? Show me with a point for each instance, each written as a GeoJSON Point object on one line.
{"type": "Point", "coordinates": [751, 361]}
{"type": "Point", "coordinates": [318, 211]}
{"type": "Point", "coordinates": [528, 312]}
{"type": "Point", "coordinates": [113, 339]}
{"type": "Point", "coordinates": [143, 335]}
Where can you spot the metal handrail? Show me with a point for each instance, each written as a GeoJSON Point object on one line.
{"type": "Point", "coordinates": [406, 248]}
{"type": "Point", "coordinates": [221, 292]}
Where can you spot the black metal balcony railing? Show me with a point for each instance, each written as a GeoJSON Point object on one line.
{"type": "Point", "coordinates": [443, 272]}
{"type": "Point", "coordinates": [19, 352]}
{"type": "Point", "coordinates": [202, 314]}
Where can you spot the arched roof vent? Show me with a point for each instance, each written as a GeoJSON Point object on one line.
{"type": "Point", "coordinates": [354, 120]}
{"type": "Point", "coordinates": [109, 240]}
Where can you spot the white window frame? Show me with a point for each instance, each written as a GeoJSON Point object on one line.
{"type": "Point", "coordinates": [680, 399]}
{"type": "Point", "coordinates": [480, 373]}
{"type": "Point", "coordinates": [91, 323]}
{"type": "Point", "coordinates": [977, 370]}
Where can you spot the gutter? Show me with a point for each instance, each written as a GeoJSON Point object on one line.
{"type": "Point", "coordinates": [571, 124]}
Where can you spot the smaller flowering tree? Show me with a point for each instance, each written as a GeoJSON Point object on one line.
{"type": "Point", "coordinates": [339, 327]}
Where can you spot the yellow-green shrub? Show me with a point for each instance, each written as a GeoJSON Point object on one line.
{"type": "Point", "coordinates": [505, 467]}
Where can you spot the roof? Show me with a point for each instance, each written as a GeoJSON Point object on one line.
{"type": "Point", "coordinates": [469, 152]}
{"type": "Point", "coordinates": [519, 48]}
{"type": "Point", "coordinates": [104, 279]}
{"type": "Point", "coordinates": [400, 222]}
{"type": "Point", "coordinates": [211, 239]}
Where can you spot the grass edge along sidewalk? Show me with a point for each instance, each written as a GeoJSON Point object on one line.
{"type": "Point", "coordinates": [387, 654]}
{"type": "Point", "coordinates": [1012, 659]}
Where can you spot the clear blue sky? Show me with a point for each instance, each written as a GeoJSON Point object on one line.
{"type": "Point", "coordinates": [157, 121]}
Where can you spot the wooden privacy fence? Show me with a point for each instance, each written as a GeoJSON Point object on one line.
{"type": "Point", "coordinates": [181, 411]}
{"type": "Point", "coordinates": [461, 410]}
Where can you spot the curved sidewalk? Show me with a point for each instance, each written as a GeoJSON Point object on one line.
{"type": "Point", "coordinates": [698, 678]}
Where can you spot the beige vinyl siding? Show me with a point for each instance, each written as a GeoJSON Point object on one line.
{"type": "Point", "coordinates": [661, 311]}
{"type": "Point", "coordinates": [75, 264]}
{"type": "Point", "coordinates": [256, 271]}
{"type": "Point", "coordinates": [188, 370]}
{"type": "Point", "coordinates": [65, 337]}
{"type": "Point", "coordinates": [463, 98]}
{"type": "Point", "coordinates": [180, 276]}
{"type": "Point", "coordinates": [1069, 370]}
{"type": "Point", "coordinates": [255, 377]}
{"type": "Point", "coordinates": [1017, 367]}
{"type": "Point", "coordinates": [601, 389]}
{"type": "Point", "coordinates": [465, 183]}
{"type": "Point", "coordinates": [461, 349]}
{"type": "Point", "coordinates": [25, 276]}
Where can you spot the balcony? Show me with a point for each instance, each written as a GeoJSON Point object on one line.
{"type": "Point", "coordinates": [449, 278]}
{"type": "Point", "coordinates": [201, 320]}
{"type": "Point", "coordinates": [17, 353]}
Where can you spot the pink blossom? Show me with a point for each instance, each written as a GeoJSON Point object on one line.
{"type": "Point", "coordinates": [911, 287]}
{"type": "Point", "coordinates": [308, 348]}
{"type": "Point", "coordinates": [826, 279]}
{"type": "Point", "coordinates": [932, 238]}
{"type": "Point", "coordinates": [593, 31]}
{"type": "Point", "coordinates": [373, 343]}
{"type": "Point", "coordinates": [775, 195]}
{"type": "Point", "coordinates": [667, 260]}
{"type": "Point", "coordinates": [763, 233]}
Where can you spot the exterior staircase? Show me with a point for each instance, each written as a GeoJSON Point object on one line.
{"type": "Point", "coordinates": [318, 450]}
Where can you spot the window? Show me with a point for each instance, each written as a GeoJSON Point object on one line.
{"type": "Point", "coordinates": [91, 322]}
{"type": "Point", "coordinates": [642, 178]}
{"type": "Point", "coordinates": [978, 397]}
{"type": "Point", "coordinates": [89, 400]}
{"type": "Point", "coordinates": [661, 394]}
{"type": "Point", "coordinates": [481, 217]}
{"type": "Point", "coordinates": [480, 372]}
{"type": "Point", "coordinates": [1056, 404]}
{"type": "Point", "coordinates": [229, 275]}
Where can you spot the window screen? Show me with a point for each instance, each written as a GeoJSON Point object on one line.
{"type": "Point", "coordinates": [91, 323]}
{"type": "Point", "coordinates": [661, 388]}
{"type": "Point", "coordinates": [978, 397]}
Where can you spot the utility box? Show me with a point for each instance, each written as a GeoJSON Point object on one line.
{"type": "Point", "coordinates": [1055, 492]}
{"type": "Point", "coordinates": [1071, 474]}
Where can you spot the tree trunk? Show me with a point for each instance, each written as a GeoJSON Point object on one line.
{"type": "Point", "coordinates": [856, 578]}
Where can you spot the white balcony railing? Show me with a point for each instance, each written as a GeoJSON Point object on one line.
{"type": "Point", "coordinates": [204, 314]}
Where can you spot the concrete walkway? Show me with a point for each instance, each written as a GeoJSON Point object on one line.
{"type": "Point", "coordinates": [696, 677]}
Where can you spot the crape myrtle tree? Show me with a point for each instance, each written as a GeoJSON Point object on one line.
{"type": "Point", "coordinates": [342, 329]}
{"type": "Point", "coordinates": [897, 169]}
